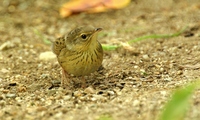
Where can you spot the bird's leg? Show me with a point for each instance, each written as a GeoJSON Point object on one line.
{"type": "Point", "coordinates": [65, 80]}
{"type": "Point", "coordinates": [83, 82]}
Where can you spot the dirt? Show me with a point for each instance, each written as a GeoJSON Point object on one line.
{"type": "Point", "coordinates": [135, 81]}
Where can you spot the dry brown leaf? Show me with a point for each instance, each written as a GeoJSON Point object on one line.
{"type": "Point", "coordinates": [91, 6]}
{"type": "Point", "coordinates": [116, 4]}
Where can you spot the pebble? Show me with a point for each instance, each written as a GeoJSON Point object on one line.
{"type": "Point", "coordinates": [67, 97]}
{"type": "Point", "coordinates": [35, 86]}
{"type": "Point", "coordinates": [98, 97]}
{"type": "Point", "coordinates": [10, 95]}
{"type": "Point", "coordinates": [118, 93]}
{"type": "Point", "coordinates": [111, 92]}
{"type": "Point", "coordinates": [3, 70]}
{"type": "Point", "coordinates": [179, 72]}
{"type": "Point", "coordinates": [6, 45]}
{"type": "Point", "coordinates": [89, 90]}
{"type": "Point", "coordinates": [135, 66]}
{"type": "Point", "coordinates": [161, 69]}
{"type": "Point", "coordinates": [43, 76]}
{"type": "Point", "coordinates": [19, 99]}
{"type": "Point", "coordinates": [10, 44]}
{"type": "Point", "coordinates": [56, 82]}
{"type": "Point", "coordinates": [93, 99]}
{"type": "Point", "coordinates": [145, 57]}
{"type": "Point", "coordinates": [77, 93]}
{"type": "Point", "coordinates": [58, 115]}
{"type": "Point", "coordinates": [120, 85]}
{"type": "Point", "coordinates": [164, 93]}
{"type": "Point", "coordinates": [51, 92]}
{"type": "Point", "coordinates": [2, 103]}
{"type": "Point", "coordinates": [167, 78]}
{"type": "Point", "coordinates": [5, 91]}
{"type": "Point", "coordinates": [136, 102]}
{"type": "Point", "coordinates": [1, 97]}
{"type": "Point", "coordinates": [48, 55]}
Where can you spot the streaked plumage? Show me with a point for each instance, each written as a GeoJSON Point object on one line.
{"type": "Point", "coordinates": [79, 53]}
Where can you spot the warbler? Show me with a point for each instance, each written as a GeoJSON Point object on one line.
{"type": "Point", "coordinates": [78, 53]}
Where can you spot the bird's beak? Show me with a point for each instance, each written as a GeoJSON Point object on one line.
{"type": "Point", "coordinates": [95, 33]}
{"type": "Point", "coordinates": [98, 30]}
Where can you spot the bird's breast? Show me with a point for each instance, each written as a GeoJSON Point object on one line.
{"type": "Point", "coordinates": [82, 62]}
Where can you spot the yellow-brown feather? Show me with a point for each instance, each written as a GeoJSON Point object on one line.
{"type": "Point", "coordinates": [77, 56]}
{"type": "Point", "coordinates": [80, 63]}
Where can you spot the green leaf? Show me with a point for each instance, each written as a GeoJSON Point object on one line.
{"type": "Point", "coordinates": [157, 36]}
{"type": "Point", "coordinates": [176, 108]}
{"type": "Point", "coordinates": [105, 117]}
{"type": "Point", "coordinates": [114, 47]}
{"type": "Point", "coordinates": [109, 47]}
{"type": "Point", "coordinates": [37, 32]}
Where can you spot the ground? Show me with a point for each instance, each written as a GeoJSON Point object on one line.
{"type": "Point", "coordinates": [135, 81]}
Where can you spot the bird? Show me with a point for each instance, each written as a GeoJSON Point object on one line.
{"type": "Point", "coordinates": [79, 53]}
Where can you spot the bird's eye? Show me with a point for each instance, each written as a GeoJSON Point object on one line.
{"type": "Point", "coordinates": [83, 36]}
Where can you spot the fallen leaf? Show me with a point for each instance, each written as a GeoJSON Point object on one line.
{"type": "Point", "coordinates": [116, 4]}
{"type": "Point", "coordinates": [94, 6]}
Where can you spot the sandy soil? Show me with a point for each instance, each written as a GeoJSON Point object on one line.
{"type": "Point", "coordinates": [134, 83]}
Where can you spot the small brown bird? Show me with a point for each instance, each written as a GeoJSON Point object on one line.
{"type": "Point", "coordinates": [79, 53]}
